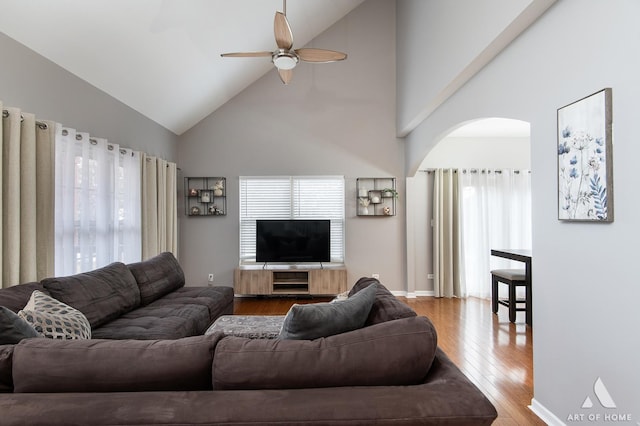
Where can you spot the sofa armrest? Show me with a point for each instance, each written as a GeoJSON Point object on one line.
{"type": "Point", "coordinates": [394, 353]}
{"type": "Point", "coordinates": [113, 365]}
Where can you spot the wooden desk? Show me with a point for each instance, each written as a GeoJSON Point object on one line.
{"type": "Point", "coordinates": [520, 255]}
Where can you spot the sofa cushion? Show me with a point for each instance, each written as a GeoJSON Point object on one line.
{"type": "Point", "coordinates": [315, 320]}
{"type": "Point", "coordinates": [386, 306]}
{"type": "Point", "coordinates": [157, 276]}
{"type": "Point", "coordinates": [157, 322]}
{"type": "Point", "coordinates": [13, 328]}
{"type": "Point", "coordinates": [6, 377]}
{"type": "Point", "coordinates": [54, 319]}
{"type": "Point", "coordinates": [102, 294]}
{"type": "Point", "coordinates": [219, 300]}
{"type": "Point", "coordinates": [15, 297]}
{"type": "Point", "coordinates": [114, 365]}
{"type": "Point", "coordinates": [391, 353]}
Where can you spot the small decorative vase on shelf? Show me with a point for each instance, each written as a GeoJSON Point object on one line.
{"type": "Point", "coordinates": [218, 189]}
{"type": "Point", "coordinates": [364, 206]}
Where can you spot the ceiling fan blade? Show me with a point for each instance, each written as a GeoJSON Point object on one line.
{"type": "Point", "coordinates": [285, 75]}
{"type": "Point", "coordinates": [282, 30]}
{"type": "Point", "coordinates": [320, 55]}
{"type": "Point", "coordinates": [246, 54]}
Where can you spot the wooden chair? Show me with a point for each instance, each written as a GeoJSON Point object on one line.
{"type": "Point", "coordinates": [513, 278]}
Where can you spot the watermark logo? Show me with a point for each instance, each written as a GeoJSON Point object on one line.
{"type": "Point", "coordinates": [602, 394]}
{"type": "Point", "coordinates": [594, 412]}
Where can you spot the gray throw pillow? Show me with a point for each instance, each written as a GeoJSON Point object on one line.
{"type": "Point", "coordinates": [386, 307]}
{"type": "Point", "coordinates": [13, 328]}
{"type": "Point", "coordinates": [311, 321]}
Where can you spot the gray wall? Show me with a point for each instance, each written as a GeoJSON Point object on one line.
{"type": "Point", "coordinates": [585, 296]}
{"type": "Point", "coordinates": [333, 119]}
{"type": "Point", "coordinates": [430, 67]}
{"type": "Point", "coordinates": [36, 85]}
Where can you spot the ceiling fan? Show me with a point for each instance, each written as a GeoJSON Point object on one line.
{"type": "Point", "coordinates": [285, 57]}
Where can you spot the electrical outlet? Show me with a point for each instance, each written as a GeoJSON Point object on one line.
{"type": "Point", "coordinates": [376, 276]}
{"type": "Point", "coordinates": [210, 279]}
{"type": "Point", "coordinates": [429, 276]}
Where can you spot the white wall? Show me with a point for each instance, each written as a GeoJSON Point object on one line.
{"type": "Point", "coordinates": [488, 153]}
{"type": "Point", "coordinates": [333, 119]}
{"type": "Point", "coordinates": [585, 298]}
{"type": "Point", "coordinates": [36, 85]}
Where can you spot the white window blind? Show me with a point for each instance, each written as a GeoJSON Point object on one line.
{"type": "Point", "coordinates": [291, 197]}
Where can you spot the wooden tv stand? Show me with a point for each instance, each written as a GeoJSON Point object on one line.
{"type": "Point", "coordinates": [293, 281]}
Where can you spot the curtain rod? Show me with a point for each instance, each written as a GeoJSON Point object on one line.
{"type": "Point", "coordinates": [94, 141]}
{"type": "Point", "coordinates": [473, 171]}
{"type": "Point", "coordinates": [41, 124]}
{"type": "Point", "coordinates": [433, 170]}
{"type": "Point", "coordinates": [44, 126]}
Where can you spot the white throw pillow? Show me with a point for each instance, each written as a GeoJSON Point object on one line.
{"type": "Point", "coordinates": [54, 319]}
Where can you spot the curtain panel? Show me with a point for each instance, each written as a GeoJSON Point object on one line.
{"type": "Point", "coordinates": [159, 206]}
{"type": "Point", "coordinates": [27, 201]}
{"type": "Point", "coordinates": [97, 201]}
{"type": "Point", "coordinates": [495, 212]}
{"type": "Point", "coordinates": [447, 260]}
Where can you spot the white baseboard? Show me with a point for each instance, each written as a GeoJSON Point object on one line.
{"type": "Point", "coordinates": [408, 295]}
{"type": "Point", "coordinates": [411, 294]}
{"type": "Point", "coordinates": [545, 415]}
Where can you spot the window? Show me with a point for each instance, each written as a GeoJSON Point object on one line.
{"type": "Point", "coordinates": [291, 197]}
{"type": "Point", "coordinates": [495, 212]}
{"type": "Point", "coordinates": [97, 197]}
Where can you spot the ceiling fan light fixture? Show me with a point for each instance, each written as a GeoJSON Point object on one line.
{"type": "Point", "coordinates": [285, 60]}
{"type": "Point", "coordinates": [285, 57]}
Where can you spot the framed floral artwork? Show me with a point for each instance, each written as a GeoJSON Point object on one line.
{"type": "Point", "coordinates": [585, 175]}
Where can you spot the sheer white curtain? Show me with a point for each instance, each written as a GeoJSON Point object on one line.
{"type": "Point", "coordinates": [97, 200]}
{"type": "Point", "coordinates": [495, 212]}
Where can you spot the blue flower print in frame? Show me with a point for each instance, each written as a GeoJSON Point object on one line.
{"type": "Point", "coordinates": [585, 176]}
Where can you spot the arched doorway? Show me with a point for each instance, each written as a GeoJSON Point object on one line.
{"type": "Point", "coordinates": [481, 144]}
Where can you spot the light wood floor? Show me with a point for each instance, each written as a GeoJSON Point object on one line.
{"type": "Point", "coordinates": [495, 354]}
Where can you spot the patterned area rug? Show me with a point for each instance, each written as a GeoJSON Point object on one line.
{"type": "Point", "coordinates": [250, 326]}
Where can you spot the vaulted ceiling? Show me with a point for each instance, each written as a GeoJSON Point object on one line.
{"type": "Point", "coordinates": [162, 57]}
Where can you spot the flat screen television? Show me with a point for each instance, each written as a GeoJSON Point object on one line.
{"type": "Point", "coordinates": [293, 241]}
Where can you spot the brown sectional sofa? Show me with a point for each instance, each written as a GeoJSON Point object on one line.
{"type": "Point", "coordinates": [390, 372]}
{"type": "Point", "coordinates": [144, 300]}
